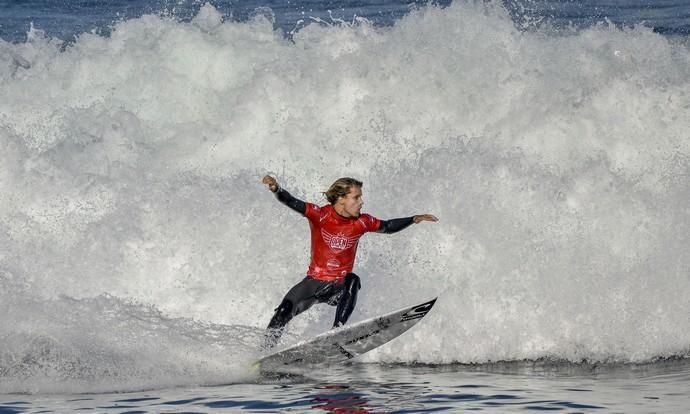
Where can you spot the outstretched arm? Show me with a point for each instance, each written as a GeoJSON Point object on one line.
{"type": "Point", "coordinates": [283, 196]}
{"type": "Point", "coordinates": [395, 225]}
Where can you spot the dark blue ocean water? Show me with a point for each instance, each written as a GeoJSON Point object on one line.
{"type": "Point", "coordinates": [498, 388]}
{"type": "Point", "coordinates": [65, 19]}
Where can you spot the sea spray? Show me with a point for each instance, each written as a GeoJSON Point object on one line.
{"type": "Point", "coordinates": [130, 170]}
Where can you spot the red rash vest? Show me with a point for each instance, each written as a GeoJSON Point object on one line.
{"type": "Point", "coordinates": [334, 241]}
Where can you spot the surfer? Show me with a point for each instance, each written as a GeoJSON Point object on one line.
{"type": "Point", "coordinates": [335, 231]}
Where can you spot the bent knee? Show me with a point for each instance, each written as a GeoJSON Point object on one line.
{"type": "Point", "coordinates": [352, 281]}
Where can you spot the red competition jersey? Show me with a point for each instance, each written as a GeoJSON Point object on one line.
{"type": "Point", "coordinates": [334, 240]}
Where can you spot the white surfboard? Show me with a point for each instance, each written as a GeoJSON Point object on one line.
{"type": "Point", "coordinates": [342, 344]}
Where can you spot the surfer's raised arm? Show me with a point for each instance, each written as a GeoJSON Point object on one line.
{"type": "Point", "coordinates": [283, 196]}
{"type": "Point", "coordinates": [397, 224]}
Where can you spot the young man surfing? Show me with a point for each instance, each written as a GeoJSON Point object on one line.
{"type": "Point", "coordinates": [335, 232]}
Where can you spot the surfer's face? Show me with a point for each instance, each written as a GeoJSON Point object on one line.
{"type": "Point", "coordinates": [351, 204]}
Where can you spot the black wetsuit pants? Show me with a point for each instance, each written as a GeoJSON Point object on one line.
{"type": "Point", "coordinates": [308, 292]}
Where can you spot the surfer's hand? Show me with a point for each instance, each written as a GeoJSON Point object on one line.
{"type": "Point", "coordinates": [271, 183]}
{"type": "Point", "coordinates": [424, 217]}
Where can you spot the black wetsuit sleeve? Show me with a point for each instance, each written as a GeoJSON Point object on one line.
{"type": "Point", "coordinates": [294, 203]}
{"type": "Point", "coordinates": [395, 225]}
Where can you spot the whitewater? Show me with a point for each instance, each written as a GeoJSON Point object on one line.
{"type": "Point", "coordinates": [139, 249]}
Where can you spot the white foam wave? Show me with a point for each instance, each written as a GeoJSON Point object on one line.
{"type": "Point", "coordinates": [558, 164]}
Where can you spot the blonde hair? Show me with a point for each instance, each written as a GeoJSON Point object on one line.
{"type": "Point", "coordinates": [340, 188]}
